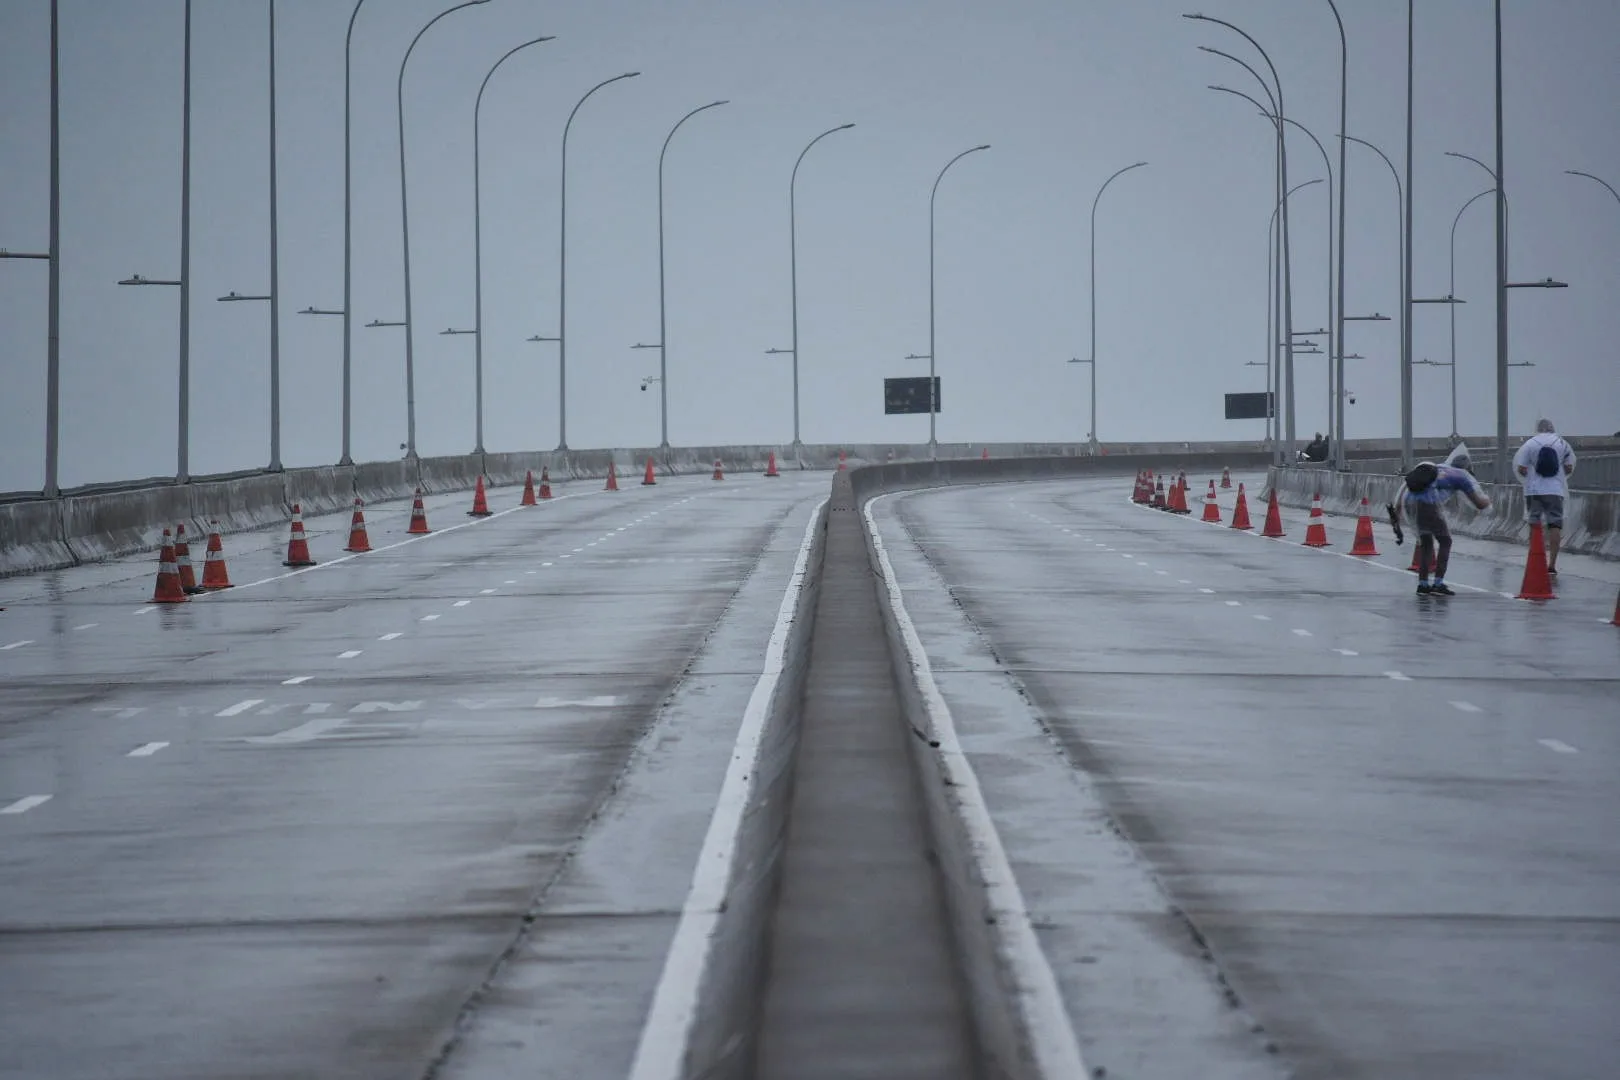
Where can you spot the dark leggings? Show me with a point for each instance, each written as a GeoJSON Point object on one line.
{"type": "Point", "coordinates": [1426, 555]}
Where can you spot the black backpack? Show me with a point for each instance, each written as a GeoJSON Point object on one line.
{"type": "Point", "coordinates": [1548, 461]}
{"type": "Point", "coordinates": [1422, 475]}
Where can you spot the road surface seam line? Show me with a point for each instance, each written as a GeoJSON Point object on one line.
{"type": "Point", "coordinates": [1050, 1033]}
{"type": "Point", "coordinates": [666, 1034]}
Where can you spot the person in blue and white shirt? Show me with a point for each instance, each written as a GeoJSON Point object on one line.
{"type": "Point", "coordinates": [1428, 486]}
{"type": "Point", "coordinates": [1543, 463]}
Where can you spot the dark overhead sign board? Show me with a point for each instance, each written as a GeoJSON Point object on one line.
{"type": "Point", "coordinates": [909, 395]}
{"type": "Point", "coordinates": [1259, 406]}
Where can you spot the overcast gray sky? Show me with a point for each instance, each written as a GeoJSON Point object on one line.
{"type": "Point", "coordinates": [1066, 92]}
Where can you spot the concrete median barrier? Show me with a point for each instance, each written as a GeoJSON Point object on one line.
{"type": "Point", "coordinates": [446, 474]}
{"type": "Point", "coordinates": [320, 490]}
{"type": "Point", "coordinates": [250, 502]}
{"type": "Point", "coordinates": [382, 481]}
{"type": "Point", "coordinates": [110, 523]}
{"type": "Point", "coordinates": [31, 536]}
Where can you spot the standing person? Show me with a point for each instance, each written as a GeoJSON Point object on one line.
{"type": "Point", "coordinates": [1543, 462]}
{"type": "Point", "coordinates": [1427, 487]}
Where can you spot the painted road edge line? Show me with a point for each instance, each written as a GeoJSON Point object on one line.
{"type": "Point", "coordinates": [667, 1033]}
{"type": "Point", "coordinates": [1052, 1041]}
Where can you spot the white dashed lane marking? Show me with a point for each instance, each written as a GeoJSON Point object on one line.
{"type": "Point", "coordinates": [240, 707]}
{"type": "Point", "coordinates": [1397, 676]}
{"type": "Point", "coordinates": [1465, 706]}
{"type": "Point", "coordinates": [1558, 747]}
{"type": "Point", "coordinates": [427, 618]}
{"type": "Point", "coordinates": [25, 804]}
{"type": "Point", "coordinates": [349, 654]}
{"type": "Point", "coordinates": [296, 679]}
{"type": "Point", "coordinates": [1234, 603]}
{"type": "Point", "coordinates": [147, 750]}
{"type": "Point", "coordinates": [1302, 633]}
{"type": "Point", "coordinates": [1263, 618]}
{"type": "Point", "coordinates": [87, 626]}
{"type": "Point", "coordinates": [486, 592]}
{"type": "Point", "coordinates": [1207, 592]}
{"type": "Point", "coordinates": [1347, 652]}
{"type": "Point", "coordinates": [461, 603]}
{"type": "Point", "coordinates": [16, 644]}
{"type": "Point", "coordinates": [391, 637]}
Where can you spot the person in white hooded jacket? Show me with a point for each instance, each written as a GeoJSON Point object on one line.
{"type": "Point", "coordinates": [1543, 464]}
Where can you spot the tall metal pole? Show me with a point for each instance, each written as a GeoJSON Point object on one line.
{"type": "Point", "coordinates": [663, 325]}
{"type": "Point", "coordinates": [348, 248]}
{"type": "Point", "coordinates": [793, 267]}
{"type": "Point", "coordinates": [1401, 239]}
{"type": "Point", "coordinates": [53, 318]}
{"type": "Point", "coordinates": [275, 278]}
{"type": "Point", "coordinates": [562, 270]}
{"type": "Point", "coordinates": [933, 398]}
{"type": "Point", "coordinates": [182, 471]}
{"type": "Point", "coordinates": [1503, 466]}
{"type": "Point", "coordinates": [478, 258]}
{"type": "Point", "coordinates": [405, 236]}
{"type": "Point", "coordinates": [1094, 203]}
{"type": "Point", "coordinates": [1406, 261]}
{"type": "Point", "coordinates": [1337, 360]}
{"type": "Point", "coordinates": [1271, 323]}
{"type": "Point", "coordinates": [1451, 292]}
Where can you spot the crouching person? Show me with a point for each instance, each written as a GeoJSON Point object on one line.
{"type": "Point", "coordinates": [1428, 486]}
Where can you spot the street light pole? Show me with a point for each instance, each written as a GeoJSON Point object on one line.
{"type": "Point", "coordinates": [933, 398]}
{"type": "Point", "coordinates": [53, 318]}
{"type": "Point", "coordinates": [1599, 179]}
{"type": "Point", "coordinates": [1093, 435]}
{"type": "Point", "coordinates": [405, 234]}
{"type": "Point", "coordinates": [1451, 291]}
{"type": "Point", "coordinates": [1406, 257]}
{"type": "Point", "coordinates": [275, 276]}
{"type": "Point", "coordinates": [1282, 154]}
{"type": "Point", "coordinates": [478, 257]}
{"type": "Point", "coordinates": [1337, 419]}
{"type": "Point", "coordinates": [1403, 241]}
{"type": "Point", "coordinates": [348, 245]}
{"type": "Point", "coordinates": [182, 472]}
{"type": "Point", "coordinates": [663, 325]}
{"type": "Point", "coordinates": [562, 269]}
{"type": "Point", "coordinates": [1503, 466]}
{"type": "Point", "coordinates": [793, 270]}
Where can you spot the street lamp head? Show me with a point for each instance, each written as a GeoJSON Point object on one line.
{"type": "Point", "coordinates": [629, 74]}
{"type": "Point", "coordinates": [843, 127]}
{"type": "Point", "coordinates": [986, 146]}
{"type": "Point", "coordinates": [539, 337]}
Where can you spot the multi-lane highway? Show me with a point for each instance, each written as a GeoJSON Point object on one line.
{"type": "Point", "coordinates": [1248, 809]}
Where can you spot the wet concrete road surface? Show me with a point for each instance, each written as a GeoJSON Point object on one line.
{"type": "Point", "coordinates": [1391, 818]}
{"type": "Point", "coordinates": [286, 830]}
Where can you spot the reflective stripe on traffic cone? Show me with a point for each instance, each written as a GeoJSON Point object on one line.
{"type": "Point", "coordinates": [718, 473]}
{"type": "Point", "coordinates": [1364, 544]}
{"type": "Point", "coordinates": [215, 575]}
{"type": "Point", "coordinates": [1158, 495]}
{"type": "Point", "coordinates": [480, 507]}
{"type": "Point", "coordinates": [1240, 513]}
{"type": "Point", "coordinates": [528, 488]}
{"type": "Point", "coordinates": [168, 589]}
{"type": "Point", "coordinates": [419, 525]}
{"type": "Point", "coordinates": [1273, 526]}
{"type": "Point", "coordinates": [182, 561]}
{"type": "Point", "coordinates": [770, 465]}
{"type": "Point", "coordinates": [298, 543]}
{"type": "Point", "coordinates": [1226, 478]}
{"type": "Point", "coordinates": [1537, 584]}
{"type": "Point", "coordinates": [358, 540]}
{"type": "Point", "coordinates": [986, 455]}
{"type": "Point", "coordinates": [1212, 509]}
{"type": "Point", "coordinates": [1316, 531]}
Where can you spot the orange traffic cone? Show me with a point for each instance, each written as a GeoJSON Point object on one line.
{"type": "Point", "coordinates": [182, 561]}
{"type": "Point", "coordinates": [528, 488]}
{"type": "Point", "coordinates": [1316, 531]}
{"type": "Point", "coordinates": [358, 540]}
{"type": "Point", "coordinates": [1212, 509]}
{"type": "Point", "coordinates": [168, 589]}
{"type": "Point", "coordinates": [480, 500]}
{"type": "Point", "coordinates": [1158, 495]}
{"type": "Point", "coordinates": [1240, 513]}
{"type": "Point", "coordinates": [1417, 551]}
{"type": "Point", "coordinates": [298, 543]}
{"type": "Point", "coordinates": [1136, 489]}
{"type": "Point", "coordinates": [419, 525]}
{"type": "Point", "coordinates": [718, 474]}
{"type": "Point", "coordinates": [1616, 621]}
{"type": "Point", "coordinates": [215, 575]}
{"type": "Point", "coordinates": [1273, 526]}
{"type": "Point", "coordinates": [770, 465]}
{"type": "Point", "coordinates": [649, 479]}
{"type": "Point", "coordinates": [1178, 496]}
{"type": "Point", "coordinates": [986, 455]}
{"type": "Point", "coordinates": [545, 482]}
{"type": "Point", "coordinates": [840, 461]}
{"type": "Point", "coordinates": [1537, 583]}
{"type": "Point", "coordinates": [1226, 478]}
{"type": "Point", "coordinates": [1364, 533]}
{"type": "Point", "coordinates": [612, 480]}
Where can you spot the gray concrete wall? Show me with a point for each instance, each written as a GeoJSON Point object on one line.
{"type": "Point", "coordinates": [1591, 518]}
